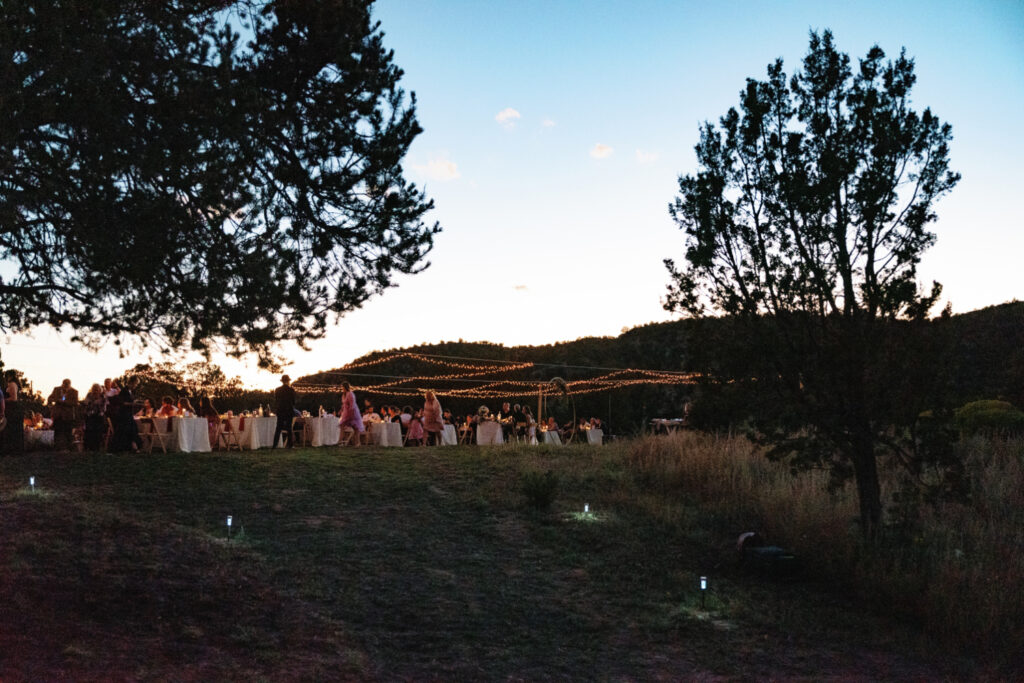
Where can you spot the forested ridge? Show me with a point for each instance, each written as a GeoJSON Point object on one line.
{"type": "Point", "coordinates": [977, 355]}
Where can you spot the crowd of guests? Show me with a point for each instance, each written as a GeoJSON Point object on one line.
{"type": "Point", "coordinates": [109, 414]}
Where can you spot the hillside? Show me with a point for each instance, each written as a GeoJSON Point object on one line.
{"type": "Point", "coordinates": [984, 352]}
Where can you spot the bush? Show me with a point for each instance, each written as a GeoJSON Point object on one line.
{"type": "Point", "coordinates": [540, 489]}
{"type": "Point", "coordinates": [990, 417]}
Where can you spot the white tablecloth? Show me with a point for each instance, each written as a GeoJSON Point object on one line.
{"type": "Point", "coordinates": [255, 432]}
{"type": "Point", "coordinates": [595, 437]}
{"type": "Point", "coordinates": [386, 433]}
{"type": "Point", "coordinates": [38, 438]}
{"type": "Point", "coordinates": [552, 438]}
{"type": "Point", "coordinates": [448, 436]}
{"type": "Point", "coordinates": [324, 430]}
{"type": "Point", "coordinates": [187, 435]}
{"type": "Point", "coordinates": [488, 432]}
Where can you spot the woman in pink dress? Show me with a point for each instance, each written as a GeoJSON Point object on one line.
{"type": "Point", "coordinates": [415, 431]}
{"type": "Point", "coordinates": [432, 422]}
{"type": "Point", "coordinates": [350, 416]}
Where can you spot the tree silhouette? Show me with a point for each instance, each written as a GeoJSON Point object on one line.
{"type": "Point", "coordinates": [165, 179]}
{"type": "Point", "coordinates": [807, 219]}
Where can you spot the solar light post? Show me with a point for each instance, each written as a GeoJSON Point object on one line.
{"type": "Point", "coordinates": [229, 526]}
{"type": "Point", "coordinates": [32, 483]}
{"type": "Point", "coordinates": [703, 590]}
{"type": "Point", "coordinates": [586, 508]}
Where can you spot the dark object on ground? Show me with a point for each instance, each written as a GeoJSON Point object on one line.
{"type": "Point", "coordinates": [765, 560]}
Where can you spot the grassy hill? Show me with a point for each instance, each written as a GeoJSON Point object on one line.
{"type": "Point", "coordinates": [405, 564]}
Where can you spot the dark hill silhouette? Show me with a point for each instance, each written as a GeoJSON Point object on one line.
{"type": "Point", "coordinates": [984, 352]}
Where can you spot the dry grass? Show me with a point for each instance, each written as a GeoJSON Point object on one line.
{"type": "Point", "coordinates": [956, 569]}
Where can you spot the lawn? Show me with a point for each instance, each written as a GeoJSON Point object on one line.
{"type": "Point", "coordinates": [398, 564]}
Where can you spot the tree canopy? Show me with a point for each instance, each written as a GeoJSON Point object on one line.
{"type": "Point", "coordinates": [807, 218]}
{"type": "Point", "coordinates": [201, 174]}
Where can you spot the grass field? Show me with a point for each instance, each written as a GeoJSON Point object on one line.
{"type": "Point", "coordinates": [403, 564]}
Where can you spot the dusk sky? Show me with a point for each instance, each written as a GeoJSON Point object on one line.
{"type": "Point", "coordinates": [554, 136]}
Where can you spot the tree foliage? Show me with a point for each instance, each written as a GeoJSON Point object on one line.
{"type": "Point", "coordinates": [201, 174]}
{"type": "Point", "coordinates": [807, 220]}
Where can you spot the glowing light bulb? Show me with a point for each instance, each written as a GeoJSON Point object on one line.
{"type": "Point", "coordinates": [586, 508]}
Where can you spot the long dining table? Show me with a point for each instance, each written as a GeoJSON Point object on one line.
{"type": "Point", "coordinates": [183, 434]}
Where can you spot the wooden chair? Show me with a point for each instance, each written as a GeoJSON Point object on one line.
{"type": "Point", "coordinates": [465, 435]}
{"type": "Point", "coordinates": [78, 439]}
{"type": "Point", "coordinates": [151, 436]}
{"type": "Point", "coordinates": [300, 431]}
{"type": "Point", "coordinates": [348, 436]}
{"type": "Point", "coordinates": [108, 435]}
{"type": "Point", "coordinates": [228, 436]}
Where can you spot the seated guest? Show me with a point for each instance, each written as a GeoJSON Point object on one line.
{"type": "Point", "coordinates": [167, 408]}
{"type": "Point", "coordinates": [185, 408]}
{"type": "Point", "coordinates": [447, 418]}
{"type": "Point", "coordinates": [147, 409]}
{"type": "Point", "coordinates": [406, 416]}
{"type": "Point", "coordinates": [551, 426]}
{"type": "Point", "coordinates": [372, 417]}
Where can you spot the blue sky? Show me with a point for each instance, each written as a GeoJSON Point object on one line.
{"type": "Point", "coordinates": [554, 213]}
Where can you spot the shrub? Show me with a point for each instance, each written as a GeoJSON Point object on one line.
{"type": "Point", "coordinates": [540, 489]}
{"type": "Point", "coordinates": [990, 417]}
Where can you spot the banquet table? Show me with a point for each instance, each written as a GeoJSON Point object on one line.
{"type": "Point", "coordinates": [38, 438]}
{"type": "Point", "coordinates": [188, 434]}
{"type": "Point", "coordinates": [669, 426]}
{"type": "Point", "coordinates": [552, 437]}
{"type": "Point", "coordinates": [448, 436]}
{"type": "Point", "coordinates": [385, 433]}
{"type": "Point", "coordinates": [324, 430]}
{"type": "Point", "coordinates": [254, 431]}
{"type": "Point", "coordinates": [595, 437]}
{"type": "Point", "coordinates": [489, 432]}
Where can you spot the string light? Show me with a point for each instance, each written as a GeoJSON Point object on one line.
{"type": "Point", "coordinates": [454, 369]}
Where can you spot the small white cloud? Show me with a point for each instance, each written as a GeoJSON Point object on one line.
{"type": "Point", "coordinates": [548, 123]}
{"type": "Point", "coordinates": [507, 117]}
{"type": "Point", "coordinates": [600, 151]}
{"type": "Point", "coordinates": [440, 168]}
{"type": "Point", "coordinates": [521, 288]}
{"type": "Point", "coordinates": [646, 157]}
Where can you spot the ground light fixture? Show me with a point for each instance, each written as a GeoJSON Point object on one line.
{"type": "Point", "coordinates": [586, 508]}
{"type": "Point", "coordinates": [32, 483]}
{"type": "Point", "coordinates": [703, 590]}
{"type": "Point", "coordinates": [229, 526]}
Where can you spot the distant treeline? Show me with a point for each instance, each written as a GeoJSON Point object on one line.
{"type": "Point", "coordinates": [967, 357]}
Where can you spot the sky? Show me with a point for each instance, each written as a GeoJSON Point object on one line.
{"type": "Point", "coordinates": [554, 135]}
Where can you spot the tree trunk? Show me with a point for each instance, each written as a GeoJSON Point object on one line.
{"type": "Point", "coordinates": [869, 495]}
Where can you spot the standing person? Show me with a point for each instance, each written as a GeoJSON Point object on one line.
{"type": "Point", "coordinates": [63, 402]}
{"type": "Point", "coordinates": [14, 434]}
{"type": "Point", "coordinates": [350, 416]}
{"type": "Point", "coordinates": [207, 410]}
{"type": "Point", "coordinates": [284, 406]}
{"type": "Point", "coordinates": [95, 405]}
{"type": "Point", "coordinates": [121, 411]}
{"type": "Point", "coordinates": [433, 423]}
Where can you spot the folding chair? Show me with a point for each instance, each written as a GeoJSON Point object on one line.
{"type": "Point", "coordinates": [78, 439]}
{"type": "Point", "coordinates": [300, 430]}
{"type": "Point", "coordinates": [149, 433]}
{"type": "Point", "coordinates": [348, 436]}
{"type": "Point", "coordinates": [227, 437]}
{"type": "Point", "coordinates": [109, 435]}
